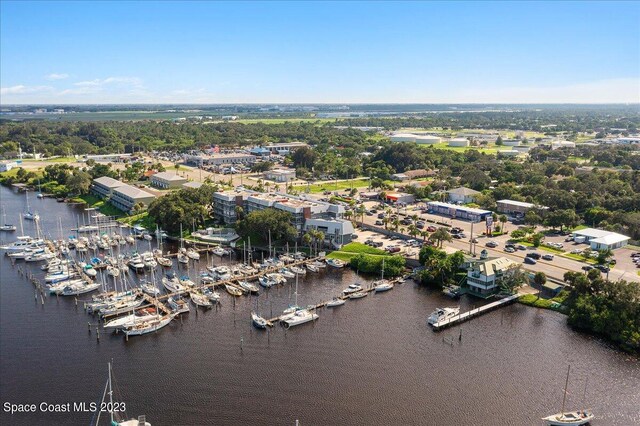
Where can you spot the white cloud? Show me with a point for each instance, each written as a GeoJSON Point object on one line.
{"type": "Point", "coordinates": [98, 82]}
{"type": "Point", "coordinates": [54, 76]}
{"type": "Point", "coordinates": [22, 89]}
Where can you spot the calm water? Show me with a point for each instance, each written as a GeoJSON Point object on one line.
{"type": "Point", "coordinates": [373, 361]}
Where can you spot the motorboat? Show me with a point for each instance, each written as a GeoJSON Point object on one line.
{"type": "Point", "coordinates": [136, 263]}
{"type": "Point", "coordinates": [442, 314]}
{"type": "Point", "coordinates": [247, 286]}
{"type": "Point", "coordinates": [319, 264]}
{"type": "Point", "coordinates": [57, 288]}
{"type": "Point", "coordinates": [183, 258]}
{"type": "Point", "coordinates": [81, 288]}
{"type": "Point", "coordinates": [222, 273]}
{"type": "Point", "coordinates": [113, 271]}
{"type": "Point", "coordinates": [90, 271]}
{"type": "Point", "coordinates": [382, 285]}
{"type": "Point", "coordinates": [234, 291]}
{"type": "Point", "coordinates": [311, 267]}
{"type": "Point", "coordinates": [187, 282]}
{"type": "Point", "coordinates": [266, 282]}
{"type": "Point", "coordinates": [352, 289]}
{"type": "Point", "coordinates": [301, 316]}
{"type": "Point", "coordinates": [286, 273]}
{"type": "Point", "coordinates": [200, 299]}
{"type": "Point", "coordinates": [149, 260]}
{"type": "Point", "coordinates": [278, 278]}
{"type": "Point", "coordinates": [206, 278]}
{"type": "Point", "coordinates": [214, 296]}
{"type": "Point", "coordinates": [8, 228]}
{"type": "Point", "coordinates": [219, 251]}
{"type": "Point", "coordinates": [335, 302]}
{"type": "Point", "coordinates": [335, 263]}
{"type": "Point", "coordinates": [178, 305]}
{"type": "Point", "coordinates": [172, 284]}
{"type": "Point", "coordinates": [193, 254]}
{"type": "Point", "coordinates": [297, 270]}
{"type": "Point", "coordinates": [358, 295]}
{"type": "Point", "coordinates": [286, 258]}
{"type": "Point", "coordinates": [258, 321]}
{"type": "Point", "coordinates": [164, 261]}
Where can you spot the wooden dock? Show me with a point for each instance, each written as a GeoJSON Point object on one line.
{"type": "Point", "coordinates": [466, 316]}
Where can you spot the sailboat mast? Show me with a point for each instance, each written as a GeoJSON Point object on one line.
{"type": "Point", "coordinates": [110, 395]}
{"type": "Point", "coordinates": [566, 384]}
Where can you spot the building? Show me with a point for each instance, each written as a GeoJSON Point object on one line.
{"type": "Point", "coordinates": [427, 139]}
{"type": "Point", "coordinates": [336, 231]}
{"type": "Point", "coordinates": [516, 208]}
{"type": "Point", "coordinates": [219, 159]}
{"type": "Point", "coordinates": [600, 239]}
{"type": "Point", "coordinates": [562, 144]}
{"type": "Point", "coordinates": [167, 180]}
{"type": "Point", "coordinates": [511, 142]}
{"type": "Point", "coordinates": [109, 158]}
{"type": "Point", "coordinates": [459, 212]}
{"type": "Point", "coordinates": [192, 185]}
{"type": "Point", "coordinates": [280, 175]}
{"type": "Point", "coordinates": [399, 197]}
{"type": "Point", "coordinates": [103, 186]}
{"type": "Point", "coordinates": [629, 140]}
{"type": "Point", "coordinates": [459, 142]}
{"type": "Point", "coordinates": [484, 275]}
{"type": "Point", "coordinates": [399, 177]}
{"type": "Point", "coordinates": [125, 197]}
{"type": "Point", "coordinates": [410, 137]}
{"type": "Point", "coordinates": [419, 173]}
{"type": "Point", "coordinates": [260, 151]}
{"type": "Point", "coordinates": [462, 195]}
{"type": "Point", "coordinates": [5, 166]}
{"type": "Point", "coordinates": [285, 147]}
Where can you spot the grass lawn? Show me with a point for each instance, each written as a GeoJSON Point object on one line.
{"type": "Point", "coordinates": [554, 304]}
{"type": "Point", "coordinates": [579, 258]}
{"type": "Point", "coordinates": [334, 186]}
{"type": "Point", "coordinates": [362, 248]}
{"type": "Point", "coordinates": [489, 149]}
{"type": "Point", "coordinates": [285, 120]}
{"type": "Point", "coordinates": [101, 205]}
{"type": "Point", "coordinates": [60, 160]}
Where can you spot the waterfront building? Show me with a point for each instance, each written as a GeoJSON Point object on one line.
{"type": "Point", "coordinates": [599, 239]}
{"type": "Point", "coordinates": [167, 180]}
{"type": "Point", "coordinates": [459, 212]}
{"type": "Point", "coordinates": [103, 186]}
{"type": "Point", "coordinates": [125, 197]}
{"type": "Point", "coordinates": [484, 274]}
{"type": "Point", "coordinates": [462, 195]}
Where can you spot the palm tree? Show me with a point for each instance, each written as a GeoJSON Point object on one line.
{"type": "Point", "coordinates": [386, 221]}
{"type": "Point", "coordinates": [396, 224]}
{"type": "Point", "coordinates": [539, 279]}
{"type": "Point", "coordinates": [503, 220]}
{"type": "Point", "coordinates": [440, 236]}
{"type": "Point", "coordinates": [424, 235]}
{"type": "Point", "coordinates": [413, 230]}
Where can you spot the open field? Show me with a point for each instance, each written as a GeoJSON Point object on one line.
{"type": "Point", "coordinates": [488, 149]}
{"type": "Point", "coordinates": [334, 186]}
{"type": "Point", "coordinates": [286, 120]}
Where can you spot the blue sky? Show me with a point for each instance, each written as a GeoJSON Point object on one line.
{"type": "Point", "coordinates": [334, 52]}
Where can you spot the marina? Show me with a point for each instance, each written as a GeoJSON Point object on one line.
{"type": "Point", "coordinates": [274, 362]}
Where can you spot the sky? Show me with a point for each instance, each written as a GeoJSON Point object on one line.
{"type": "Point", "coordinates": [324, 52]}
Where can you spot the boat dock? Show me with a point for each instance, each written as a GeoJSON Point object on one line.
{"type": "Point", "coordinates": [466, 316]}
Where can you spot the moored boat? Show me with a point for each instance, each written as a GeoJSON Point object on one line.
{"type": "Point", "coordinates": [442, 314]}
{"type": "Point", "coordinates": [335, 302]}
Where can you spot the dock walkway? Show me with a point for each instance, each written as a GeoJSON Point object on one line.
{"type": "Point", "coordinates": [466, 316]}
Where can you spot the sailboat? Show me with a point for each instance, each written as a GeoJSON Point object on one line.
{"type": "Point", "coordinates": [569, 418]}
{"type": "Point", "coordinates": [258, 321]}
{"type": "Point", "coordinates": [6, 227]}
{"type": "Point", "coordinates": [29, 215]}
{"type": "Point", "coordinates": [114, 408]}
{"type": "Point", "coordinates": [40, 194]}
{"type": "Point", "coordinates": [299, 315]}
{"type": "Point", "coordinates": [382, 285]}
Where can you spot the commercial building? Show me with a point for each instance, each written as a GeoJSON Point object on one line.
{"type": "Point", "coordinates": [193, 185]}
{"type": "Point", "coordinates": [562, 144]}
{"type": "Point", "coordinates": [462, 195]}
{"type": "Point", "coordinates": [459, 212]}
{"type": "Point", "coordinates": [485, 274]}
{"type": "Point", "coordinates": [400, 197]}
{"type": "Point", "coordinates": [513, 207]}
{"type": "Point", "coordinates": [305, 213]}
{"type": "Point", "coordinates": [280, 175]}
{"type": "Point", "coordinates": [109, 158]}
{"type": "Point", "coordinates": [125, 197]}
{"type": "Point", "coordinates": [600, 239]}
{"type": "Point", "coordinates": [459, 142]}
{"type": "Point", "coordinates": [167, 180]}
{"type": "Point", "coordinates": [411, 137]}
{"type": "Point", "coordinates": [103, 186]}
{"type": "Point", "coordinates": [511, 142]}
{"type": "Point", "coordinates": [219, 159]}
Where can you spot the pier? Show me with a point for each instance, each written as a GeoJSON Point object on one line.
{"type": "Point", "coordinates": [466, 316]}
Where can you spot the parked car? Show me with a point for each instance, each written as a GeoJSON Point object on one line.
{"type": "Point", "coordinates": [548, 257]}
{"type": "Point", "coordinates": [521, 247]}
{"type": "Point", "coordinates": [377, 244]}
{"type": "Point", "coordinates": [602, 268]}
{"type": "Point", "coordinates": [431, 228]}
{"type": "Point", "coordinates": [491, 244]}
{"type": "Point", "coordinates": [379, 223]}
{"type": "Point", "coordinates": [534, 255]}
{"type": "Point", "coordinates": [509, 249]}
{"type": "Point", "coordinates": [530, 260]}
{"type": "Point", "coordinates": [457, 236]}
{"type": "Point", "coordinates": [587, 267]}
{"type": "Point", "coordinates": [569, 238]}
{"type": "Point", "coordinates": [380, 215]}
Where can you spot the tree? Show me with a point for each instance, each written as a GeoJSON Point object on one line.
{"type": "Point", "coordinates": [540, 279]}
{"type": "Point", "coordinates": [304, 157]}
{"type": "Point", "coordinates": [603, 256]}
{"type": "Point", "coordinates": [537, 239]}
{"type": "Point", "coordinates": [503, 219]}
{"type": "Point", "coordinates": [79, 183]}
{"type": "Point", "coordinates": [499, 141]}
{"type": "Point", "coordinates": [440, 235]}
{"type": "Point", "coordinates": [270, 221]}
{"type": "Point", "coordinates": [532, 218]}
{"type": "Point", "coordinates": [440, 268]}
{"type": "Point", "coordinates": [513, 278]}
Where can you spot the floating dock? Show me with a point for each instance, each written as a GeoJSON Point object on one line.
{"type": "Point", "coordinates": [466, 316]}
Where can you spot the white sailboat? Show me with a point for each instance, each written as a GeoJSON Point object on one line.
{"type": "Point", "coordinates": [300, 315]}
{"type": "Point", "coordinates": [28, 214]}
{"type": "Point", "coordinates": [200, 299]}
{"type": "Point", "coordinates": [569, 418]}
{"type": "Point", "coordinates": [6, 227]}
{"type": "Point", "coordinates": [113, 411]}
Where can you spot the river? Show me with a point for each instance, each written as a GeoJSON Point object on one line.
{"type": "Point", "coordinates": [372, 361]}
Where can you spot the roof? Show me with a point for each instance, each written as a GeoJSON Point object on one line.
{"type": "Point", "coordinates": [490, 266]}
{"type": "Point", "coordinates": [463, 191]}
{"type": "Point", "coordinates": [108, 182]}
{"type": "Point", "coordinates": [133, 192]}
{"type": "Point", "coordinates": [168, 176]}
{"type": "Point", "coordinates": [195, 185]}
{"type": "Point", "coordinates": [593, 232]}
{"type": "Point", "coordinates": [416, 173]}
{"type": "Point", "coordinates": [611, 239]}
{"type": "Point", "coordinates": [517, 203]}
{"type": "Point", "coordinates": [600, 236]}
{"type": "Point", "coordinates": [457, 207]}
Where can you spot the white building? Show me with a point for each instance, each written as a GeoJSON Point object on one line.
{"type": "Point", "coordinates": [167, 180]}
{"type": "Point", "coordinates": [600, 239]}
{"type": "Point", "coordinates": [514, 207]}
{"type": "Point", "coordinates": [484, 275]}
{"type": "Point", "coordinates": [219, 159]}
{"type": "Point", "coordinates": [280, 175]}
{"type": "Point", "coordinates": [459, 142]}
{"type": "Point", "coordinates": [336, 231]}
{"type": "Point", "coordinates": [462, 195]}
{"type": "Point", "coordinates": [427, 139]}
{"type": "Point", "coordinates": [511, 142]}
{"type": "Point", "coordinates": [103, 186]}
{"type": "Point", "coordinates": [562, 144]}
{"type": "Point", "coordinates": [628, 140]}
{"type": "Point", "coordinates": [125, 197]}
{"type": "Point", "coordinates": [403, 137]}
{"type": "Point", "coordinates": [5, 166]}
